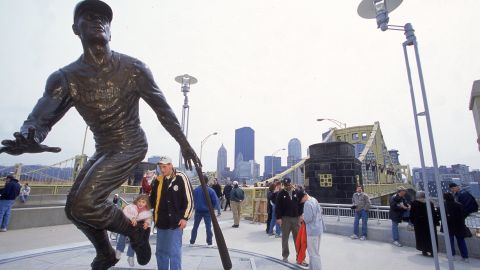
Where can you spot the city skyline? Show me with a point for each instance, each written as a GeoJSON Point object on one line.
{"type": "Point", "coordinates": [273, 66]}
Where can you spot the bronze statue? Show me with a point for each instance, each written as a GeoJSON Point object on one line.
{"type": "Point", "coordinates": [105, 87]}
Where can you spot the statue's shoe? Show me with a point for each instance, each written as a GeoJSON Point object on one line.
{"type": "Point", "coordinates": [141, 245]}
{"type": "Point", "coordinates": [102, 262]}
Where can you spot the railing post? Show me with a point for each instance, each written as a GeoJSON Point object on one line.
{"type": "Point", "coordinates": [338, 212]}
{"type": "Point", "coordinates": [378, 216]}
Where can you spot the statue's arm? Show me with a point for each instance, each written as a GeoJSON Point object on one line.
{"type": "Point", "coordinates": [50, 108]}
{"type": "Point", "coordinates": [151, 93]}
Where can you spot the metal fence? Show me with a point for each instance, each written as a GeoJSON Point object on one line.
{"type": "Point", "coordinates": [344, 210]}
{"type": "Point", "coordinates": [380, 213]}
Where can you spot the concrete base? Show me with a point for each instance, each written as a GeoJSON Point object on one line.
{"type": "Point", "coordinates": [196, 257]}
{"type": "Point", "coordinates": [43, 210]}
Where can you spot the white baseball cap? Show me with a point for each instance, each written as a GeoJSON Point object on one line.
{"type": "Point", "coordinates": [165, 160]}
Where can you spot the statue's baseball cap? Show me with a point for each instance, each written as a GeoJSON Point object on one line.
{"type": "Point", "coordinates": [92, 5]}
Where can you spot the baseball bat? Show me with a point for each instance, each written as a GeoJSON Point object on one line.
{"type": "Point", "coordinates": [222, 246]}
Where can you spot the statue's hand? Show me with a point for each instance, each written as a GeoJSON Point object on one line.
{"type": "Point", "coordinates": [190, 157]}
{"type": "Point", "coordinates": [25, 145]}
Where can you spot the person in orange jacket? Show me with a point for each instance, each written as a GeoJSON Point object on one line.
{"type": "Point", "coordinates": [301, 245]}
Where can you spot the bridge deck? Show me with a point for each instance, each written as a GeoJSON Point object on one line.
{"type": "Point", "coordinates": [19, 250]}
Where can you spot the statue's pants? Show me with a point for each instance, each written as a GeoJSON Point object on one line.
{"type": "Point", "coordinates": [88, 205]}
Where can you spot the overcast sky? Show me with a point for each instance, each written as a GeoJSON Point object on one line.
{"type": "Point", "coordinates": [275, 66]}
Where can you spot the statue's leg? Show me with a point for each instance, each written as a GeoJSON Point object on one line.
{"type": "Point", "coordinates": [105, 253]}
{"type": "Point", "coordinates": [88, 201]}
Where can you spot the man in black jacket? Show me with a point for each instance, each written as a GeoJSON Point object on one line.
{"type": "Point", "coordinates": [466, 199]}
{"type": "Point", "coordinates": [398, 205]}
{"type": "Point", "coordinates": [172, 202]}
{"type": "Point", "coordinates": [226, 192]}
{"type": "Point", "coordinates": [288, 213]}
{"type": "Point", "coordinates": [218, 191]}
{"type": "Point", "coordinates": [7, 199]}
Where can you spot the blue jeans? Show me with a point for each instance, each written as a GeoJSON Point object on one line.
{"type": "Point", "coordinates": [273, 222]}
{"type": "Point", "coordinates": [218, 206]}
{"type": "Point", "coordinates": [169, 249]}
{"type": "Point", "coordinates": [462, 246]}
{"type": "Point", "coordinates": [23, 198]}
{"type": "Point", "coordinates": [208, 226]}
{"type": "Point", "coordinates": [406, 215]}
{"type": "Point", "coordinates": [5, 212]}
{"type": "Point", "coordinates": [395, 231]}
{"type": "Point", "coordinates": [122, 239]}
{"type": "Point", "coordinates": [362, 214]}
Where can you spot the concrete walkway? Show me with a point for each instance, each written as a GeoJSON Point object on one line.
{"type": "Point", "coordinates": [45, 248]}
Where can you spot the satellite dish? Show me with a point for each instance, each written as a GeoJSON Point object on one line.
{"type": "Point", "coordinates": [366, 8]}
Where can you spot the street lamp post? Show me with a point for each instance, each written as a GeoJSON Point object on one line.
{"type": "Point", "coordinates": [336, 122]}
{"type": "Point", "coordinates": [273, 155]}
{"type": "Point", "coordinates": [204, 141]}
{"type": "Point", "coordinates": [379, 9]}
{"type": "Point", "coordinates": [185, 80]}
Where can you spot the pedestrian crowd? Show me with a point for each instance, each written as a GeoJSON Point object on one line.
{"type": "Point", "coordinates": [458, 203]}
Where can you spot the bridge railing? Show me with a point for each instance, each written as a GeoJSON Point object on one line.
{"type": "Point", "coordinates": [380, 213]}
{"type": "Point", "coordinates": [254, 205]}
{"type": "Point", "coordinates": [376, 212]}
{"type": "Point", "coordinates": [378, 190]}
{"type": "Point", "coordinates": [65, 189]}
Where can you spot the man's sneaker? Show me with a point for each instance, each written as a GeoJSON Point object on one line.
{"type": "Point", "coordinates": [304, 264]}
{"type": "Point", "coordinates": [219, 214]}
{"type": "Point", "coordinates": [396, 243]}
{"type": "Point", "coordinates": [131, 261]}
{"type": "Point", "coordinates": [285, 259]}
{"type": "Point", "coordinates": [3, 229]}
{"type": "Point", "coordinates": [278, 236]}
{"type": "Point", "coordinates": [235, 226]}
{"type": "Point", "coordinates": [118, 254]}
{"type": "Point", "coordinates": [465, 260]}
{"type": "Point", "coordinates": [209, 245]}
{"type": "Point", "coordinates": [354, 236]}
{"type": "Point", "coordinates": [363, 238]}
{"type": "Point", "coordinates": [140, 244]}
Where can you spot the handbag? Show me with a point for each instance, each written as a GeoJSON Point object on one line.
{"type": "Point", "coordinates": [467, 233]}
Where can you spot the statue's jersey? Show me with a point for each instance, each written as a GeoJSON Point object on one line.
{"type": "Point", "coordinates": [107, 98]}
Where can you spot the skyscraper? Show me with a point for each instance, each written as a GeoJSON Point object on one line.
{"type": "Point", "coordinates": [294, 149]}
{"type": "Point", "coordinates": [270, 161]}
{"type": "Point", "coordinates": [221, 162]}
{"type": "Point", "coordinates": [294, 156]}
{"type": "Point", "coordinates": [244, 144]}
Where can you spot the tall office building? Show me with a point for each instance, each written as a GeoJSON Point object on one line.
{"type": "Point", "coordinates": [244, 144]}
{"type": "Point", "coordinates": [221, 162]}
{"type": "Point", "coordinates": [270, 161]}
{"type": "Point", "coordinates": [294, 156]}
{"type": "Point", "coordinates": [294, 149]}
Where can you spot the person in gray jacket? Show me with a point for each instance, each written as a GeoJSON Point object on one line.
{"type": "Point", "coordinates": [313, 218]}
{"type": "Point", "coordinates": [361, 205]}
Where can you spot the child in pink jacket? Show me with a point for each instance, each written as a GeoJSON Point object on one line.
{"type": "Point", "coordinates": [140, 215]}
